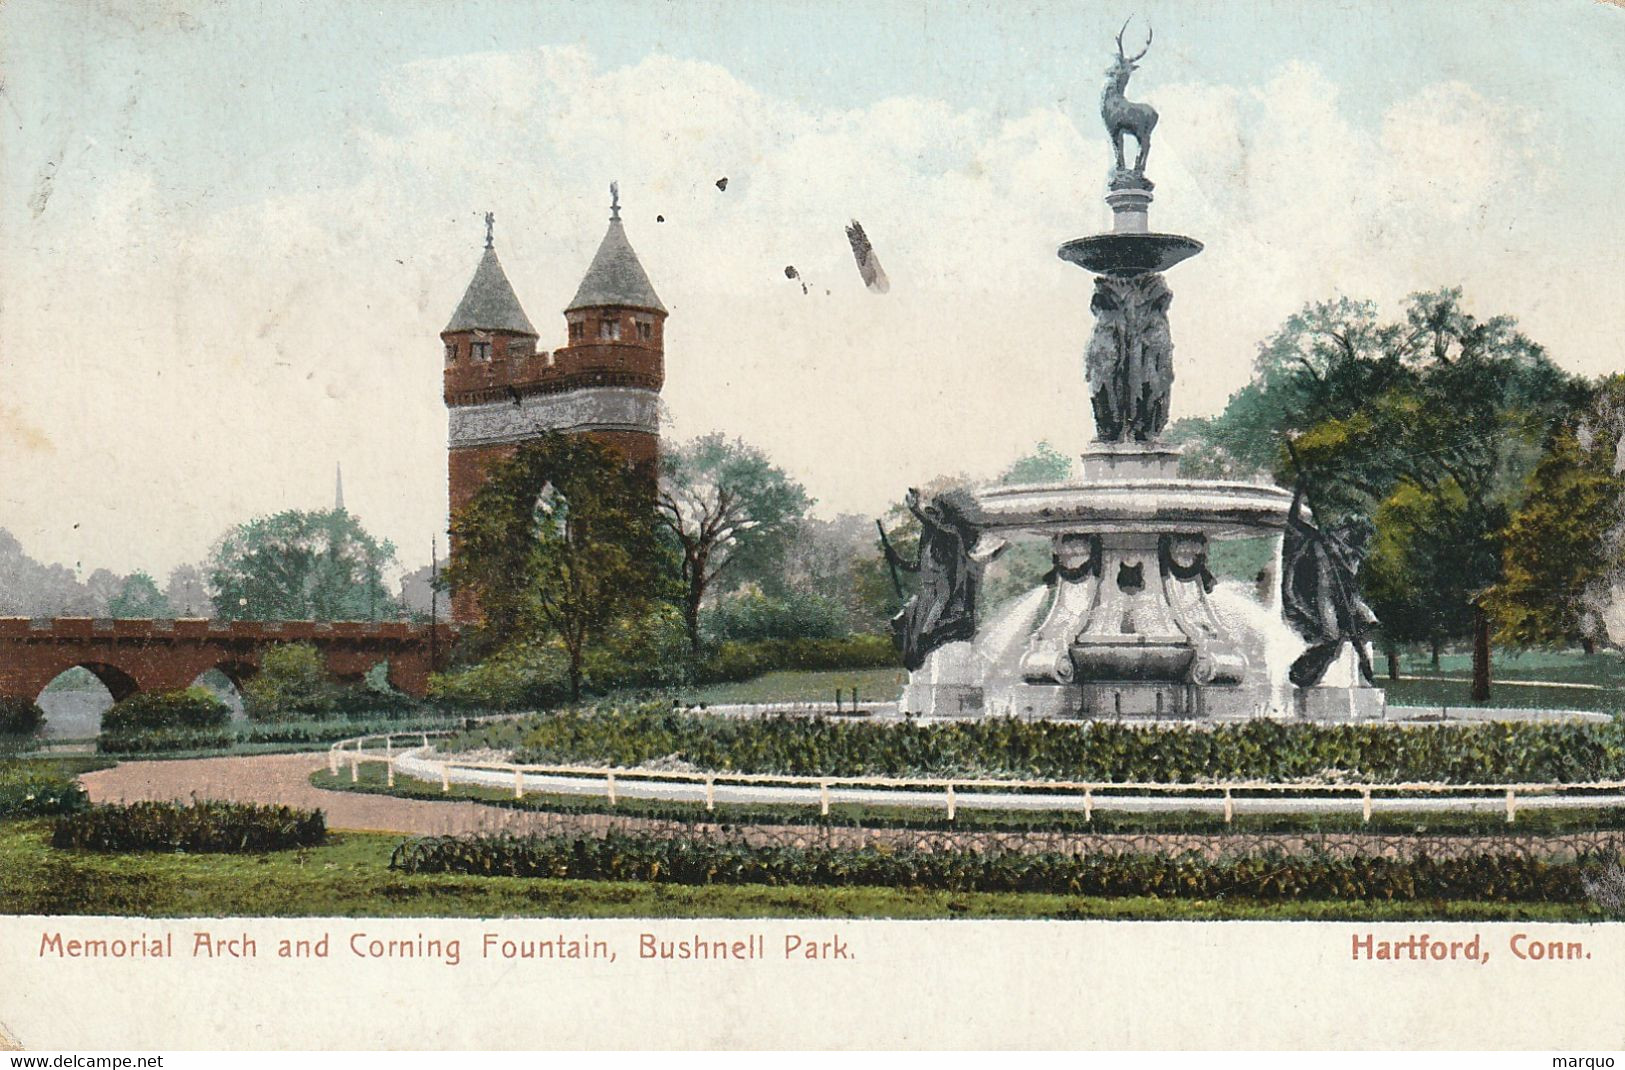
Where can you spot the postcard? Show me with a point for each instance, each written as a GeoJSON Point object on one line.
{"type": "Point", "coordinates": [908, 525]}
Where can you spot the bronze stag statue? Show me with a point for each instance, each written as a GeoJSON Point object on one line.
{"type": "Point", "coordinates": [1125, 116]}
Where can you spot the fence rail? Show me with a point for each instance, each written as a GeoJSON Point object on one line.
{"type": "Point", "coordinates": [1089, 794]}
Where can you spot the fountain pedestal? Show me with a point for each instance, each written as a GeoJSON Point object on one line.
{"type": "Point", "coordinates": [1131, 623]}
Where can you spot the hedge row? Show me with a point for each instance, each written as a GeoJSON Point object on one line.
{"type": "Point", "coordinates": [1262, 876]}
{"type": "Point", "coordinates": [160, 741]}
{"type": "Point", "coordinates": [202, 827]}
{"type": "Point", "coordinates": [1091, 751]}
{"type": "Point", "coordinates": [537, 678]}
{"type": "Point", "coordinates": [747, 660]}
{"type": "Point", "coordinates": [31, 792]}
{"type": "Point", "coordinates": [191, 708]}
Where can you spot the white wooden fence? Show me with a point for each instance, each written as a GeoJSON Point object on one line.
{"type": "Point", "coordinates": [355, 751]}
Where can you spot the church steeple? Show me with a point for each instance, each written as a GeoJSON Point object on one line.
{"type": "Point", "coordinates": [338, 488]}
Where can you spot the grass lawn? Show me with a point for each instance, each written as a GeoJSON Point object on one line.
{"type": "Point", "coordinates": [349, 877]}
{"type": "Point", "coordinates": [874, 685]}
{"type": "Point", "coordinates": [372, 780]}
{"type": "Point", "coordinates": [1605, 668]}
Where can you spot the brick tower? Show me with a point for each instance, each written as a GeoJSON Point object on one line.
{"type": "Point", "coordinates": [603, 383]}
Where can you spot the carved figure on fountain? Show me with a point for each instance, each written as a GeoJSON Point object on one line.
{"type": "Point", "coordinates": [951, 558]}
{"type": "Point", "coordinates": [1129, 362]}
{"type": "Point", "coordinates": [1186, 584]}
{"type": "Point", "coordinates": [1320, 591]}
{"type": "Point", "coordinates": [1124, 116]}
{"type": "Point", "coordinates": [1075, 580]}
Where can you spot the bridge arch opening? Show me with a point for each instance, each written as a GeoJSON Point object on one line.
{"type": "Point", "coordinates": [77, 697]}
{"type": "Point", "coordinates": [226, 681]}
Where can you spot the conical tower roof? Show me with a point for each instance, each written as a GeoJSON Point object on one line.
{"type": "Point", "coordinates": [616, 277]}
{"type": "Point", "coordinates": [490, 303]}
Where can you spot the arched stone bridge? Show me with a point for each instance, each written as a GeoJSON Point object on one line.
{"type": "Point", "coordinates": [163, 655]}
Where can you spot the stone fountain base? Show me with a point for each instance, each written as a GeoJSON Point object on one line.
{"type": "Point", "coordinates": [1128, 626]}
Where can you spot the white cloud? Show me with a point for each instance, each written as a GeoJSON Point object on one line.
{"type": "Point", "coordinates": [212, 360]}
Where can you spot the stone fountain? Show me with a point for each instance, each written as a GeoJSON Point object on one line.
{"type": "Point", "coordinates": [1128, 623]}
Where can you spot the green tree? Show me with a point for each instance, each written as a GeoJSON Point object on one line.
{"type": "Point", "coordinates": [730, 512]}
{"type": "Point", "coordinates": [293, 682]}
{"type": "Point", "coordinates": [1562, 550]}
{"type": "Point", "coordinates": [559, 543]}
{"type": "Point", "coordinates": [1045, 464]}
{"type": "Point", "coordinates": [1429, 423]}
{"type": "Point", "coordinates": [138, 599]}
{"type": "Point", "coordinates": [299, 565]}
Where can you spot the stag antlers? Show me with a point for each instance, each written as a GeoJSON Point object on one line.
{"type": "Point", "coordinates": [1149, 33]}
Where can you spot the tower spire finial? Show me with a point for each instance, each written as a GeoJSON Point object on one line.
{"type": "Point", "coordinates": [490, 224]}
{"type": "Point", "coordinates": [338, 487]}
{"type": "Point", "coordinates": [614, 202]}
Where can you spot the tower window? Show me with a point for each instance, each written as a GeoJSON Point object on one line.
{"type": "Point", "coordinates": [451, 352]}
{"type": "Point", "coordinates": [578, 330]}
{"type": "Point", "coordinates": [646, 330]}
{"type": "Point", "coordinates": [609, 330]}
{"type": "Point", "coordinates": [482, 351]}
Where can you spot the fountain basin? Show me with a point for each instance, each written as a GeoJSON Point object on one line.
{"type": "Point", "coordinates": [1127, 255]}
{"type": "Point", "coordinates": [1219, 510]}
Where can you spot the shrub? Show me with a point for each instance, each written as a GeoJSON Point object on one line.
{"type": "Point", "coordinates": [512, 679]}
{"type": "Point", "coordinates": [293, 683]}
{"type": "Point", "coordinates": [28, 791]}
{"type": "Point", "coordinates": [212, 827]}
{"type": "Point", "coordinates": [752, 615]}
{"type": "Point", "coordinates": [1091, 751]}
{"type": "Point", "coordinates": [1267, 875]}
{"type": "Point", "coordinates": [161, 740]}
{"type": "Point", "coordinates": [743, 661]}
{"type": "Point", "coordinates": [19, 716]}
{"type": "Point", "coordinates": [194, 707]}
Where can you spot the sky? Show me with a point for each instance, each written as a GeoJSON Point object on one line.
{"type": "Point", "coordinates": [230, 233]}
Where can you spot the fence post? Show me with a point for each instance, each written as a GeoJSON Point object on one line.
{"type": "Point", "coordinates": [355, 775]}
{"type": "Point", "coordinates": [1229, 807]}
{"type": "Point", "coordinates": [389, 773]}
{"type": "Point", "coordinates": [445, 778]}
{"type": "Point", "coordinates": [950, 802]}
{"type": "Point", "coordinates": [1512, 806]}
{"type": "Point", "coordinates": [1088, 805]}
{"type": "Point", "coordinates": [333, 761]}
{"type": "Point", "coordinates": [389, 746]}
{"type": "Point", "coordinates": [837, 700]}
{"type": "Point", "coordinates": [854, 698]}
{"type": "Point", "coordinates": [823, 798]}
{"type": "Point", "coordinates": [710, 793]}
{"type": "Point", "coordinates": [1365, 805]}
{"type": "Point", "coordinates": [609, 787]}
{"type": "Point", "coordinates": [518, 784]}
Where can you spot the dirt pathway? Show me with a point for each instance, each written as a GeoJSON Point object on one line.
{"type": "Point", "coordinates": [285, 779]}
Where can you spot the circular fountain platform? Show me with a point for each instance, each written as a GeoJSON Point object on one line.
{"type": "Point", "coordinates": [1126, 255]}
{"type": "Point", "coordinates": [1219, 510]}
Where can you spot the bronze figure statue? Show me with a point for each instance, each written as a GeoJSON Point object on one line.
{"type": "Point", "coordinates": [1320, 592]}
{"type": "Point", "coordinates": [950, 569]}
{"type": "Point", "coordinates": [1123, 116]}
{"type": "Point", "coordinates": [1130, 359]}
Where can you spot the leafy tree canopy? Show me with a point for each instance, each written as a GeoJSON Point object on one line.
{"type": "Point", "coordinates": [560, 545]}
{"type": "Point", "coordinates": [731, 513]}
{"type": "Point", "coordinates": [295, 565]}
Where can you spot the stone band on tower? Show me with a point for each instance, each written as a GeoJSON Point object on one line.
{"type": "Point", "coordinates": [603, 383]}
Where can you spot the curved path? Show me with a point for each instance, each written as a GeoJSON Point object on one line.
{"type": "Point", "coordinates": [284, 779]}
